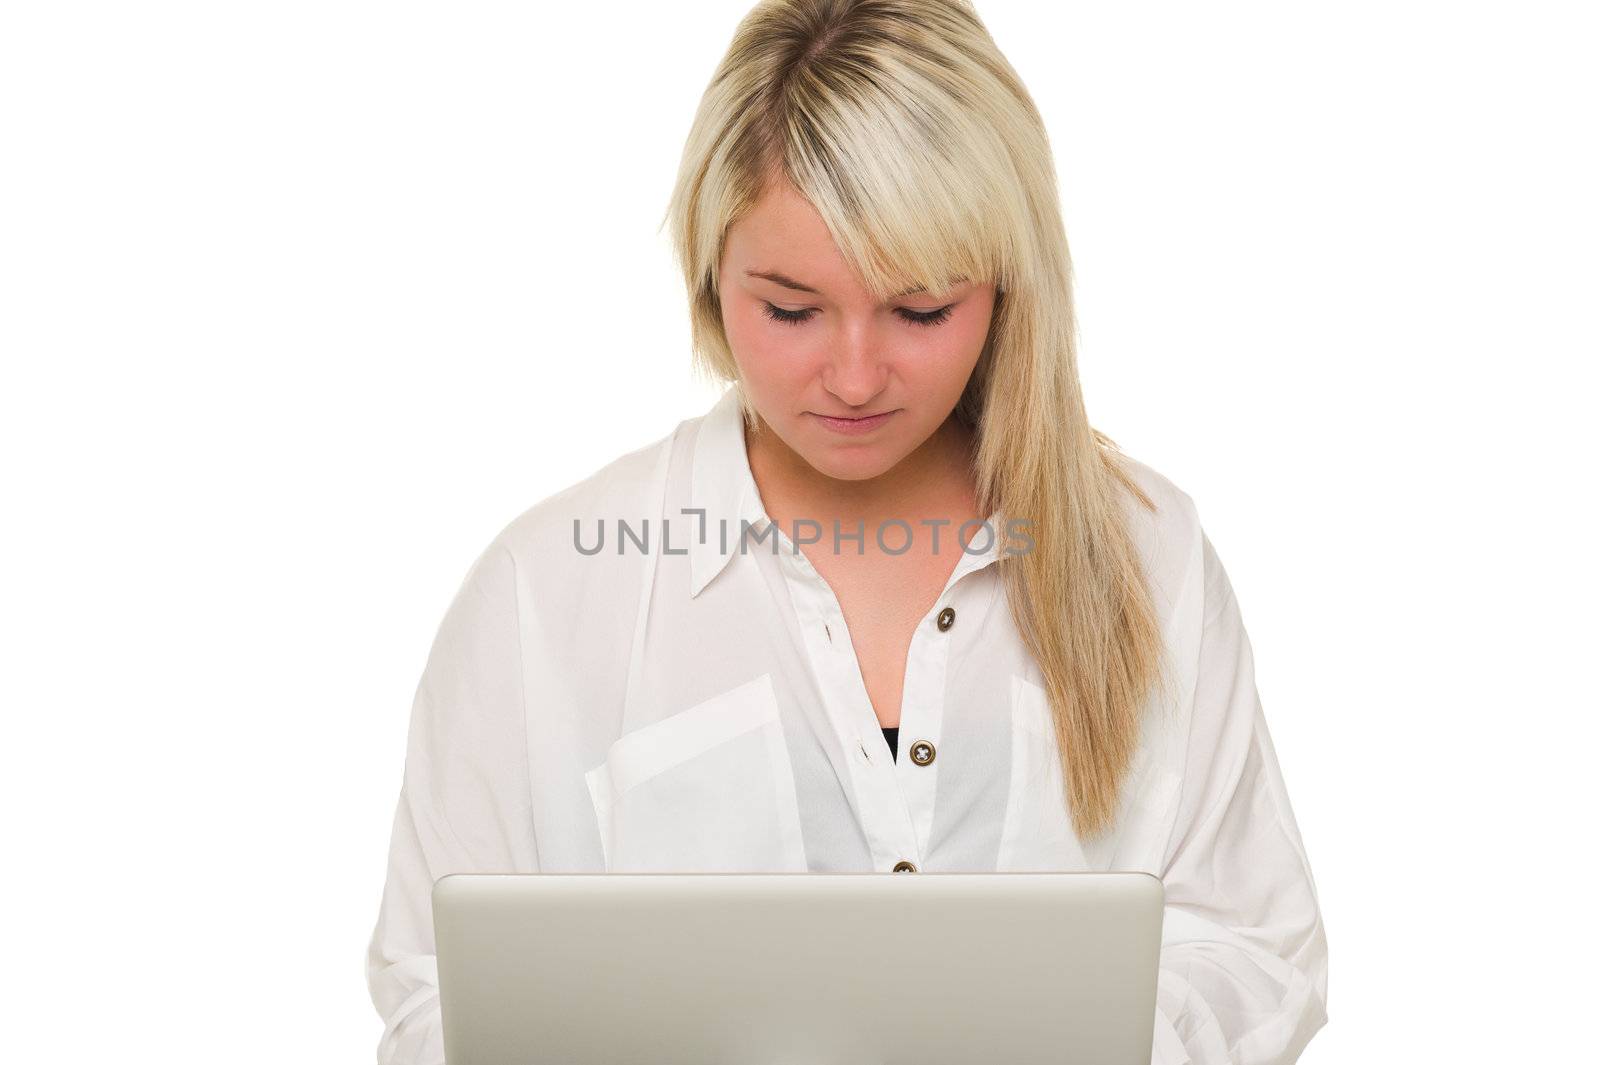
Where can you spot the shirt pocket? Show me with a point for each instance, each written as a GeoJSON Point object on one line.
{"type": "Point", "coordinates": [1037, 834]}
{"type": "Point", "coordinates": [708, 789]}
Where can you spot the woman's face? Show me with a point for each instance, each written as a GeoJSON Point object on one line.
{"type": "Point", "coordinates": [813, 346]}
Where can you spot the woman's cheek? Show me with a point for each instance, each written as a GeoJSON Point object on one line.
{"type": "Point", "coordinates": [768, 353]}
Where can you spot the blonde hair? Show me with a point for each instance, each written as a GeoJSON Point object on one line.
{"type": "Point", "coordinates": [914, 139]}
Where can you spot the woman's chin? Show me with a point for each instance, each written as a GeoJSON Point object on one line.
{"type": "Point", "coordinates": [858, 462]}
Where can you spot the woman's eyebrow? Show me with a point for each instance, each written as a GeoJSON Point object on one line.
{"type": "Point", "coordinates": [782, 279]}
{"type": "Point", "coordinates": [788, 282]}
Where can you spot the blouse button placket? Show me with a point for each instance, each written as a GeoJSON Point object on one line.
{"type": "Point", "coordinates": [887, 823]}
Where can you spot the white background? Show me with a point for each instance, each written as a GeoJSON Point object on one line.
{"type": "Point", "coordinates": [300, 303]}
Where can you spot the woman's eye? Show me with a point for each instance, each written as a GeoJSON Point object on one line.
{"type": "Point", "coordinates": [778, 314]}
{"type": "Point", "coordinates": [925, 317]}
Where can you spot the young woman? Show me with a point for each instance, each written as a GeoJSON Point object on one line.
{"type": "Point", "coordinates": [891, 604]}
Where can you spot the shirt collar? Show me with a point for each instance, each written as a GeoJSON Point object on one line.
{"type": "Point", "coordinates": [722, 485]}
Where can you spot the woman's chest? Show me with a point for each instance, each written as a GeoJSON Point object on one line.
{"type": "Point", "coordinates": [745, 738]}
{"type": "Point", "coordinates": [882, 600]}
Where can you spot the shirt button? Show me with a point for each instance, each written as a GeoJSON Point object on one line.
{"type": "Point", "coordinates": [904, 866]}
{"type": "Point", "coordinates": [922, 752]}
{"type": "Point", "coordinates": [947, 618]}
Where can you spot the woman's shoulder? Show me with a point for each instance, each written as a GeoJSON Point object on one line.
{"type": "Point", "coordinates": [1167, 532]}
{"type": "Point", "coordinates": [552, 541]}
{"type": "Point", "coordinates": [1170, 508]}
{"type": "Point", "coordinates": [626, 489]}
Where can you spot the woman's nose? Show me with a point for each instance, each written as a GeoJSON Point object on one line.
{"type": "Point", "coordinates": [856, 369]}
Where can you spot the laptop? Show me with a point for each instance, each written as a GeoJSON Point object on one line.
{"type": "Point", "coordinates": [798, 968]}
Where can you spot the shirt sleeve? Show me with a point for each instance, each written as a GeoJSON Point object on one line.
{"type": "Point", "coordinates": [1244, 959]}
{"type": "Point", "coordinates": [464, 805]}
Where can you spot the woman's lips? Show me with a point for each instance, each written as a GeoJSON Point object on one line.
{"type": "Point", "coordinates": [854, 426]}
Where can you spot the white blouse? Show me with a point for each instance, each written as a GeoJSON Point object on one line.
{"type": "Point", "coordinates": [671, 702]}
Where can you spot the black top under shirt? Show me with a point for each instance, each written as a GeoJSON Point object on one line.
{"type": "Point", "coordinates": [893, 736]}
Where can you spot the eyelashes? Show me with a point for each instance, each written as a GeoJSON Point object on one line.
{"type": "Point", "coordinates": [928, 318]}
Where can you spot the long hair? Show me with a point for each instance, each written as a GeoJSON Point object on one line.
{"type": "Point", "coordinates": [909, 132]}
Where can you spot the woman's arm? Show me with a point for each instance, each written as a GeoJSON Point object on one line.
{"type": "Point", "coordinates": [1244, 960]}
{"type": "Point", "coordinates": [464, 805]}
